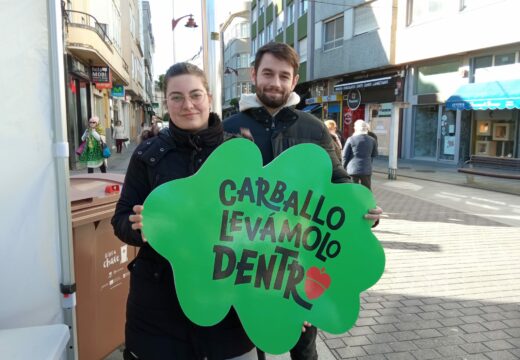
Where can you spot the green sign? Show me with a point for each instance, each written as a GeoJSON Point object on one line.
{"type": "Point", "coordinates": [280, 243]}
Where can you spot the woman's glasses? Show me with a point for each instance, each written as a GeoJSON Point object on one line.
{"type": "Point", "coordinates": [196, 98]}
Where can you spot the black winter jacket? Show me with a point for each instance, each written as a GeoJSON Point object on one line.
{"type": "Point", "coordinates": [155, 324]}
{"type": "Point", "coordinates": [287, 128]}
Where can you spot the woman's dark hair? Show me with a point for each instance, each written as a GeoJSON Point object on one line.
{"type": "Point", "coordinates": [185, 68]}
{"type": "Point", "coordinates": [280, 51]}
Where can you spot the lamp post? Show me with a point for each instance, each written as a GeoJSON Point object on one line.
{"type": "Point", "coordinates": [230, 70]}
{"type": "Point", "coordinates": [189, 24]}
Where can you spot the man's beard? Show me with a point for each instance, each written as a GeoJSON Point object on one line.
{"type": "Point", "coordinates": [270, 102]}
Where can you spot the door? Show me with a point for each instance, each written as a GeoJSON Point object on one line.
{"type": "Point", "coordinates": [448, 131]}
{"type": "Point", "coordinates": [425, 132]}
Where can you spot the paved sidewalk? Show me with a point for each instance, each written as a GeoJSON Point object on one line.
{"type": "Point", "coordinates": [451, 287]}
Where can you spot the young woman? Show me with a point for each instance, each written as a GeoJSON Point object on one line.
{"type": "Point", "coordinates": [94, 137]}
{"type": "Point", "coordinates": [119, 135]}
{"type": "Point", "coordinates": [156, 327]}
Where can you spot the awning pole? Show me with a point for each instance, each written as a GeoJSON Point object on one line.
{"type": "Point", "coordinates": [61, 154]}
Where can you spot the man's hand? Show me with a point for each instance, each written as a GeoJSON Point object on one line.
{"type": "Point", "coordinates": [374, 214]}
{"type": "Point", "coordinates": [306, 324]}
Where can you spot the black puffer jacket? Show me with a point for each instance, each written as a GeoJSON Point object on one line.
{"type": "Point", "coordinates": [156, 325]}
{"type": "Point", "coordinates": [287, 128]}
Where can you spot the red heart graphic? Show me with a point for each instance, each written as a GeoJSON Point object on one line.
{"type": "Point", "coordinates": [316, 283]}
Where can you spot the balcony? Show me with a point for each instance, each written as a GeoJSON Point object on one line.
{"type": "Point", "coordinates": [87, 39]}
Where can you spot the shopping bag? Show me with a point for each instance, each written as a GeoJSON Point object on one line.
{"type": "Point", "coordinates": [81, 148]}
{"type": "Point", "coordinates": [106, 151]}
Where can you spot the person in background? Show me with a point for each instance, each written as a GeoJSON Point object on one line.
{"type": "Point", "coordinates": [358, 153]}
{"type": "Point", "coordinates": [119, 135]}
{"type": "Point", "coordinates": [275, 125]}
{"type": "Point", "coordinates": [94, 138]}
{"type": "Point", "coordinates": [156, 327]}
{"type": "Point", "coordinates": [331, 125]}
{"type": "Point", "coordinates": [157, 126]}
{"type": "Point", "coordinates": [371, 134]}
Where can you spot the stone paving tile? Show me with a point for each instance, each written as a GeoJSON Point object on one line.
{"type": "Point", "coordinates": [496, 335]}
{"type": "Point", "coordinates": [425, 354]}
{"type": "Point", "coordinates": [400, 356]}
{"type": "Point", "coordinates": [350, 352]}
{"type": "Point", "coordinates": [450, 351]}
{"type": "Point", "coordinates": [499, 345]}
{"type": "Point", "coordinates": [501, 355]}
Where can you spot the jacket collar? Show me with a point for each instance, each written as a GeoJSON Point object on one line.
{"type": "Point", "coordinates": [212, 136]}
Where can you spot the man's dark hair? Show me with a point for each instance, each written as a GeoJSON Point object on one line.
{"type": "Point", "coordinates": [282, 52]}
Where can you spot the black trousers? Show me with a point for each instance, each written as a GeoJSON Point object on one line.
{"type": "Point", "coordinates": [363, 180]}
{"type": "Point", "coordinates": [305, 348]}
{"type": "Point", "coordinates": [103, 169]}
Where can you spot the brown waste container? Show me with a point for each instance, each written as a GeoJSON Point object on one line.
{"type": "Point", "coordinates": [100, 265]}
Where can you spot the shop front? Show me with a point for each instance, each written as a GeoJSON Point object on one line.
{"type": "Point", "coordinates": [79, 110]}
{"type": "Point", "coordinates": [372, 99]}
{"type": "Point", "coordinates": [493, 110]}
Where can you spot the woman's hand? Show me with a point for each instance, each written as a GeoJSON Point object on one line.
{"type": "Point", "coordinates": [137, 219]}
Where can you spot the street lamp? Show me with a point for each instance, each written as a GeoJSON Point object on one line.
{"type": "Point", "coordinates": [230, 70]}
{"type": "Point", "coordinates": [190, 24]}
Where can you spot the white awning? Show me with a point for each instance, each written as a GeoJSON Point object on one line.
{"type": "Point", "coordinates": [363, 84]}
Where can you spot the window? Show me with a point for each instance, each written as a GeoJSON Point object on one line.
{"type": "Point", "coordinates": [304, 4]}
{"type": "Point", "coordinates": [422, 10]}
{"type": "Point", "coordinates": [255, 13]}
{"type": "Point", "coordinates": [465, 4]}
{"type": "Point", "coordinates": [483, 62]}
{"type": "Point", "coordinates": [254, 46]}
{"type": "Point", "coordinates": [244, 31]}
{"type": "Point", "coordinates": [242, 61]}
{"type": "Point", "coordinates": [260, 10]}
{"type": "Point", "coordinates": [365, 18]}
{"type": "Point", "coordinates": [333, 34]}
{"type": "Point", "coordinates": [504, 59]}
{"type": "Point", "coordinates": [290, 14]}
{"type": "Point", "coordinates": [261, 38]}
{"type": "Point", "coordinates": [243, 88]}
{"type": "Point", "coordinates": [269, 32]}
{"type": "Point", "coordinates": [302, 49]}
{"type": "Point", "coordinates": [279, 23]}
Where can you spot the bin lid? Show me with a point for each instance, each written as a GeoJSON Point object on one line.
{"type": "Point", "coordinates": [91, 189]}
{"type": "Point", "coordinates": [45, 342]}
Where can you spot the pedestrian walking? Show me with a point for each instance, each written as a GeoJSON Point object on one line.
{"type": "Point", "coordinates": [358, 153]}
{"type": "Point", "coordinates": [156, 327]}
{"type": "Point", "coordinates": [119, 135]}
{"type": "Point", "coordinates": [92, 154]}
{"type": "Point", "coordinates": [275, 125]}
{"type": "Point", "coordinates": [331, 125]}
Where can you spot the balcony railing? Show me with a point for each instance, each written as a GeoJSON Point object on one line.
{"type": "Point", "coordinates": [87, 21]}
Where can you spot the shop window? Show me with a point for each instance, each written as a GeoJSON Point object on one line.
{"type": "Point", "coordinates": [494, 136]}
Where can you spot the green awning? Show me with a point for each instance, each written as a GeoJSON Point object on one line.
{"type": "Point", "coordinates": [486, 96]}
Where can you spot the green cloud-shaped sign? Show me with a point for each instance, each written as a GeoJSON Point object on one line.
{"type": "Point", "coordinates": [280, 243]}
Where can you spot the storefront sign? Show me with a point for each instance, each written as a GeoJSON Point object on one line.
{"type": "Point", "coordinates": [279, 247]}
{"type": "Point", "coordinates": [353, 99]}
{"type": "Point", "coordinates": [100, 74]}
{"type": "Point", "coordinates": [118, 91]}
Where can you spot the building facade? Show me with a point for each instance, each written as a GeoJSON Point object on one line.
{"type": "Point", "coordinates": [104, 67]}
{"type": "Point", "coordinates": [236, 60]}
{"type": "Point", "coordinates": [425, 74]}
